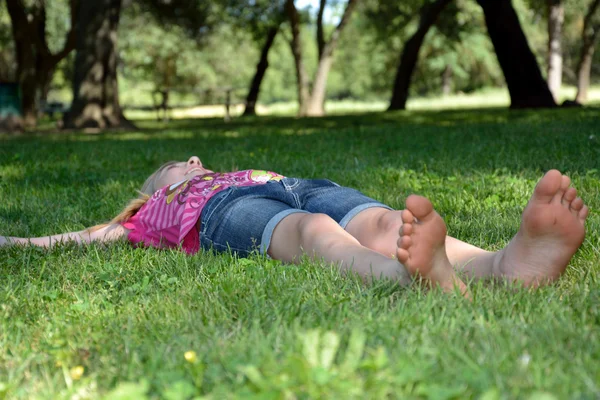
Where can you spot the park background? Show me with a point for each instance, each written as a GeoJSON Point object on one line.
{"type": "Point", "coordinates": [360, 55]}
{"type": "Point", "coordinates": [455, 100]}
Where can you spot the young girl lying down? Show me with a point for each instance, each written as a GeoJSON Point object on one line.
{"type": "Point", "coordinates": [186, 206]}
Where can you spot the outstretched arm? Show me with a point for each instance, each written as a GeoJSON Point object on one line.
{"type": "Point", "coordinates": [108, 233]}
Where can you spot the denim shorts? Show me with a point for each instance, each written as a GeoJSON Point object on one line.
{"type": "Point", "coordinates": [242, 219]}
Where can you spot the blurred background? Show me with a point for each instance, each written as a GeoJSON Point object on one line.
{"type": "Point", "coordinates": [106, 63]}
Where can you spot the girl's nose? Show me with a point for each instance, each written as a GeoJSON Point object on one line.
{"type": "Point", "coordinates": [195, 161]}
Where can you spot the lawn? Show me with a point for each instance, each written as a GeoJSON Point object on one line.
{"type": "Point", "coordinates": [117, 322]}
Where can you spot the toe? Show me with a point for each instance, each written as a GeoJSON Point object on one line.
{"type": "Point", "coordinates": [404, 242]}
{"type": "Point", "coordinates": [584, 213]}
{"type": "Point", "coordinates": [406, 229]}
{"type": "Point", "coordinates": [402, 255]}
{"type": "Point", "coordinates": [407, 216]}
{"type": "Point", "coordinates": [577, 204]}
{"type": "Point", "coordinates": [420, 206]}
{"type": "Point", "coordinates": [547, 187]}
{"type": "Point", "coordinates": [569, 196]}
{"type": "Point", "coordinates": [565, 181]}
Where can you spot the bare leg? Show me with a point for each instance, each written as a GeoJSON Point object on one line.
{"type": "Point", "coordinates": [320, 237]}
{"type": "Point", "coordinates": [551, 231]}
{"type": "Point", "coordinates": [377, 229]}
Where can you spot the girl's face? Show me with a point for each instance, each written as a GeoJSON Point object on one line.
{"type": "Point", "coordinates": [179, 171]}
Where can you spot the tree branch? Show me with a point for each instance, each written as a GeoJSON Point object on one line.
{"type": "Point", "coordinates": [588, 21]}
{"type": "Point", "coordinates": [71, 35]}
{"type": "Point", "coordinates": [320, 33]}
{"type": "Point", "coordinates": [338, 29]}
{"type": "Point", "coordinates": [21, 33]}
{"type": "Point", "coordinates": [38, 24]}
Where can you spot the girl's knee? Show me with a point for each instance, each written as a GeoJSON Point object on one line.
{"type": "Point", "coordinates": [312, 225]}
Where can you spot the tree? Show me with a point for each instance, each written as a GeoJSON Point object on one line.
{"type": "Point", "coordinates": [260, 19]}
{"type": "Point", "coordinates": [589, 35]}
{"type": "Point", "coordinates": [410, 54]}
{"type": "Point", "coordinates": [296, 47]}
{"type": "Point", "coordinates": [556, 17]}
{"type": "Point", "coordinates": [8, 63]}
{"type": "Point", "coordinates": [196, 18]}
{"type": "Point", "coordinates": [35, 61]}
{"type": "Point", "coordinates": [95, 87]}
{"type": "Point", "coordinates": [526, 86]}
{"type": "Point", "coordinates": [312, 102]}
{"type": "Point", "coordinates": [261, 68]}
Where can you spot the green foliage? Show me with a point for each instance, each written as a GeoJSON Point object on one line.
{"type": "Point", "coordinates": [255, 16]}
{"type": "Point", "coordinates": [195, 18]}
{"type": "Point", "coordinates": [534, 14]}
{"type": "Point", "coordinates": [458, 41]}
{"type": "Point", "coordinates": [156, 57]}
{"type": "Point", "coordinates": [202, 45]}
{"type": "Point", "coordinates": [7, 57]}
{"type": "Point", "coordinates": [58, 23]}
{"type": "Point", "coordinates": [258, 328]}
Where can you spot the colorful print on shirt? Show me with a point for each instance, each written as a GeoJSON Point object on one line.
{"type": "Point", "coordinates": [169, 217]}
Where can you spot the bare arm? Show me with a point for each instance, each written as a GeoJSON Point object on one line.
{"type": "Point", "coordinates": [108, 233]}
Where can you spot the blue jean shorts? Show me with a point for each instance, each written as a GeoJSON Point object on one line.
{"type": "Point", "coordinates": [242, 219]}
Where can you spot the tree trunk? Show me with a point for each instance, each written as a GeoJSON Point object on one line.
{"type": "Point", "coordinates": [296, 47]}
{"type": "Point", "coordinates": [526, 86]}
{"type": "Point", "coordinates": [25, 53]}
{"type": "Point", "coordinates": [447, 80]}
{"type": "Point", "coordinates": [35, 62]}
{"type": "Point", "coordinates": [556, 16]}
{"type": "Point", "coordinates": [316, 103]}
{"type": "Point", "coordinates": [589, 39]}
{"type": "Point", "coordinates": [261, 68]}
{"type": "Point", "coordinates": [95, 88]}
{"type": "Point", "coordinates": [584, 69]}
{"type": "Point", "coordinates": [410, 54]}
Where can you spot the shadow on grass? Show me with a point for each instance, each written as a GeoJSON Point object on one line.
{"type": "Point", "coordinates": [335, 122]}
{"type": "Point", "coordinates": [445, 143]}
{"type": "Point", "coordinates": [276, 124]}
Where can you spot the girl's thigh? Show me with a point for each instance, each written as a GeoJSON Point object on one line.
{"type": "Point", "coordinates": [341, 203]}
{"type": "Point", "coordinates": [241, 222]}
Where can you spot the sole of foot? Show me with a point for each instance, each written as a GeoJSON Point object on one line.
{"type": "Point", "coordinates": [552, 229]}
{"type": "Point", "coordinates": [421, 246]}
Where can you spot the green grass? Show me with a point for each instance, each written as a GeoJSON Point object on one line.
{"type": "Point", "coordinates": [263, 329]}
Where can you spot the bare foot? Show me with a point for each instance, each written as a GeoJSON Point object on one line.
{"type": "Point", "coordinates": [551, 232]}
{"type": "Point", "coordinates": [421, 245]}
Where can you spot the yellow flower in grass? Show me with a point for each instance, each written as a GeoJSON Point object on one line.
{"type": "Point", "coordinates": [190, 356]}
{"type": "Point", "coordinates": [76, 372]}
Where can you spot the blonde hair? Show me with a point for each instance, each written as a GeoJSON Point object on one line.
{"type": "Point", "coordinates": [148, 188]}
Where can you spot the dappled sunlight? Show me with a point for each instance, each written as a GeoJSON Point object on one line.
{"type": "Point", "coordinates": [478, 169]}
{"type": "Point", "coordinates": [231, 134]}
{"type": "Point", "coordinates": [174, 301]}
{"type": "Point", "coordinates": [147, 136]}
{"type": "Point", "coordinates": [469, 102]}
{"type": "Point", "coordinates": [12, 172]}
{"type": "Point", "coordinates": [282, 125]}
{"type": "Point", "coordinates": [299, 132]}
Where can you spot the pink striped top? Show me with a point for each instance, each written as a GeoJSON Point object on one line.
{"type": "Point", "coordinates": [169, 217]}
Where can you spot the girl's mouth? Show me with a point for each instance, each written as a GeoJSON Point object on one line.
{"type": "Point", "coordinates": [194, 169]}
